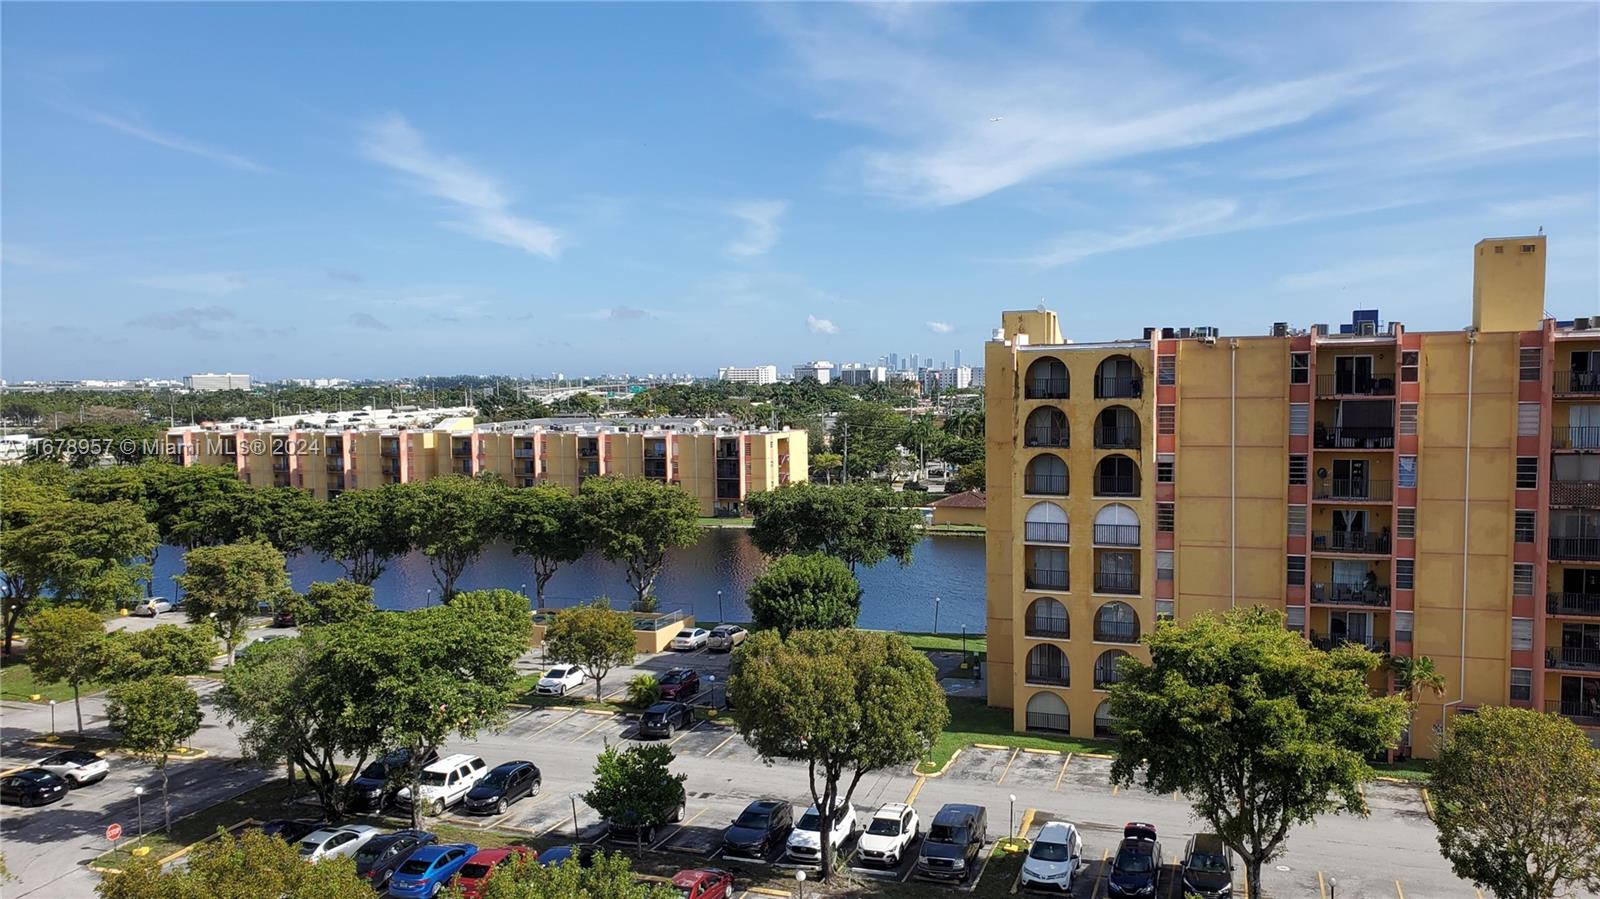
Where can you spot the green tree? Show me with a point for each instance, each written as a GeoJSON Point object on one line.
{"type": "Point", "coordinates": [197, 505]}
{"type": "Point", "coordinates": [1515, 795]}
{"type": "Point", "coordinates": [508, 607]}
{"type": "Point", "coordinates": [805, 592]}
{"type": "Point", "coordinates": [543, 523]}
{"type": "Point", "coordinates": [635, 522]}
{"type": "Point", "coordinates": [610, 877]}
{"type": "Point", "coordinates": [452, 520]}
{"type": "Point", "coordinates": [826, 466]}
{"type": "Point", "coordinates": [635, 788]}
{"type": "Point", "coordinates": [228, 584]}
{"type": "Point", "coordinates": [361, 530]}
{"type": "Point", "coordinates": [860, 524]}
{"type": "Point", "coordinates": [155, 716]}
{"type": "Point", "coordinates": [128, 483]}
{"type": "Point", "coordinates": [330, 602]}
{"type": "Point", "coordinates": [845, 702]}
{"type": "Point", "coordinates": [1412, 675]}
{"type": "Point", "coordinates": [163, 649]}
{"type": "Point", "coordinates": [868, 436]}
{"type": "Point", "coordinates": [282, 516]}
{"type": "Point", "coordinates": [67, 644]}
{"type": "Point", "coordinates": [1260, 730]}
{"type": "Point", "coordinates": [250, 866]}
{"type": "Point", "coordinates": [967, 477]}
{"type": "Point", "coordinates": [593, 637]}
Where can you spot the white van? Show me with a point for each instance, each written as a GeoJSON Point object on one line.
{"type": "Point", "coordinates": [445, 782]}
{"type": "Point", "coordinates": [152, 607]}
{"type": "Point", "coordinates": [1054, 859]}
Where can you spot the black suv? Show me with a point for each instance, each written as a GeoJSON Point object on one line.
{"type": "Point", "coordinates": [1207, 868]}
{"type": "Point", "coordinates": [954, 841]}
{"type": "Point", "coordinates": [375, 786]}
{"type": "Point", "coordinates": [380, 856]}
{"type": "Point", "coordinates": [1137, 866]}
{"type": "Point", "coordinates": [503, 785]}
{"type": "Point", "coordinates": [762, 825]}
{"type": "Point", "coordinates": [661, 719]}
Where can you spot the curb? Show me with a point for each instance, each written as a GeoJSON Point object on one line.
{"type": "Point", "coordinates": [1042, 751]}
{"type": "Point", "coordinates": [942, 768]}
{"type": "Point", "coordinates": [1427, 802]}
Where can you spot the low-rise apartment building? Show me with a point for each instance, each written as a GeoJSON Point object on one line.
{"type": "Point", "coordinates": [1420, 493]}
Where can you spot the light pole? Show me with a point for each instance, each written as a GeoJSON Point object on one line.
{"type": "Point", "coordinates": [52, 717]}
{"type": "Point", "coordinates": [936, 616]}
{"type": "Point", "coordinates": [1013, 829]}
{"type": "Point", "coordinates": [1333, 887]}
{"type": "Point", "coordinates": [963, 642]}
{"type": "Point", "coordinates": [800, 878]}
{"type": "Point", "coordinates": [574, 820]}
{"type": "Point", "coordinates": [138, 802]}
{"type": "Point", "coordinates": [719, 607]}
{"type": "Point", "coordinates": [428, 599]}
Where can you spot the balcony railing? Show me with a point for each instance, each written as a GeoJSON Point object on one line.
{"type": "Point", "coordinates": [1116, 438]}
{"type": "Point", "coordinates": [335, 463]}
{"type": "Point", "coordinates": [1580, 658]}
{"type": "Point", "coordinates": [1114, 388]}
{"type": "Point", "coordinates": [1045, 532]}
{"type": "Point", "coordinates": [588, 452]}
{"type": "Point", "coordinates": [726, 490]}
{"type": "Point", "coordinates": [1584, 382]}
{"type": "Point", "coordinates": [1584, 714]}
{"type": "Point", "coordinates": [1116, 534]}
{"type": "Point", "coordinates": [1045, 389]}
{"type": "Point", "coordinates": [1573, 604]}
{"type": "Point", "coordinates": [1575, 493]}
{"type": "Point", "coordinates": [1116, 486]}
{"type": "Point", "coordinates": [1045, 484]}
{"type": "Point", "coordinates": [1047, 579]}
{"type": "Point", "coordinates": [1350, 595]}
{"type": "Point", "coordinates": [1049, 626]}
{"type": "Point", "coordinates": [1116, 633]}
{"type": "Point", "coordinates": [1575, 549]}
{"type": "Point", "coordinates": [461, 449]}
{"type": "Point", "coordinates": [1349, 384]}
{"type": "Point", "coordinates": [1330, 643]}
{"type": "Point", "coordinates": [1053, 675]}
{"type": "Point", "coordinates": [1125, 582]}
{"type": "Point", "coordinates": [1350, 542]}
{"type": "Point", "coordinates": [1357, 489]}
{"type": "Point", "coordinates": [523, 452]}
{"type": "Point", "coordinates": [1353, 438]}
{"type": "Point", "coordinates": [280, 463]}
{"type": "Point", "coordinates": [1575, 438]}
{"type": "Point", "coordinates": [1046, 436]}
{"type": "Point", "coordinates": [1048, 722]}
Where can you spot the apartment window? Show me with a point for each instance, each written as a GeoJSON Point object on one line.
{"type": "Point", "coordinates": [1522, 633]}
{"type": "Point", "coordinates": [1163, 564]}
{"type": "Point", "coordinates": [1527, 248]}
{"type": "Point", "coordinates": [1167, 370]}
{"type": "Point", "coordinates": [1164, 609]}
{"type": "Point", "coordinates": [1408, 419]}
{"type": "Point", "coordinates": [1405, 523]}
{"type": "Point", "coordinates": [1297, 521]}
{"type": "Point", "coordinates": [1409, 365]}
{"type": "Point", "coordinates": [1408, 471]}
{"type": "Point", "coordinates": [1527, 419]}
{"type": "Point", "coordinates": [1527, 472]}
{"type": "Point", "coordinates": [1530, 363]}
{"type": "Point", "coordinates": [1299, 419]}
{"type": "Point", "coordinates": [1499, 248]}
{"type": "Point", "coordinates": [1404, 570]}
{"type": "Point", "coordinates": [1166, 517]}
{"type": "Point", "coordinates": [1166, 463]}
{"type": "Point", "coordinates": [1402, 627]}
{"type": "Point", "coordinates": [1299, 368]}
{"type": "Point", "coordinates": [1521, 684]}
{"type": "Point", "coordinates": [1297, 469]}
{"type": "Point", "coordinates": [1166, 419]}
{"type": "Point", "coordinates": [1294, 618]}
{"type": "Point", "coordinates": [1522, 579]}
{"type": "Point", "coordinates": [1525, 526]}
{"type": "Point", "coordinates": [1297, 570]}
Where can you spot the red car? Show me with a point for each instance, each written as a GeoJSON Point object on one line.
{"type": "Point", "coordinates": [681, 684]}
{"type": "Point", "coordinates": [475, 873]}
{"type": "Point", "coordinates": [704, 883]}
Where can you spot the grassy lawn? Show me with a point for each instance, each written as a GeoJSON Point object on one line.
{"type": "Point", "coordinates": [16, 682]}
{"type": "Point", "coordinates": [947, 642]}
{"type": "Point", "coordinates": [724, 522]}
{"type": "Point", "coordinates": [976, 530]}
{"type": "Point", "coordinates": [971, 721]}
{"type": "Point", "coordinates": [263, 803]}
{"type": "Point", "coordinates": [1415, 770]}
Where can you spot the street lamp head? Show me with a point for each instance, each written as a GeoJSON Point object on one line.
{"type": "Point", "coordinates": [138, 791]}
{"type": "Point", "coordinates": [52, 703]}
{"type": "Point", "coordinates": [1013, 797]}
{"type": "Point", "coordinates": [800, 876]}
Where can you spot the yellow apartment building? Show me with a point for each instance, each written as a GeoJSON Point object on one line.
{"type": "Point", "coordinates": [718, 462]}
{"type": "Point", "coordinates": [1419, 493]}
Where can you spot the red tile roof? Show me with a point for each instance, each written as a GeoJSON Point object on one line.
{"type": "Point", "coordinates": [971, 499]}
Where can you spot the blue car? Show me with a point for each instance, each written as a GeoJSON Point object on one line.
{"type": "Point", "coordinates": [428, 869]}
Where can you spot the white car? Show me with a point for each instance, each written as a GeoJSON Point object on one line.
{"type": "Point", "coordinates": [152, 607]}
{"type": "Point", "coordinates": [336, 842]}
{"type": "Point", "coordinates": [445, 782]}
{"type": "Point", "coordinates": [1055, 858]}
{"type": "Point", "coordinates": [77, 767]}
{"type": "Point", "coordinates": [691, 638]}
{"type": "Point", "coordinates": [560, 679]}
{"type": "Point", "coordinates": [888, 835]}
{"type": "Point", "coordinates": [805, 841]}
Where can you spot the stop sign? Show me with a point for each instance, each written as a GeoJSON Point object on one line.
{"type": "Point", "coordinates": [114, 832]}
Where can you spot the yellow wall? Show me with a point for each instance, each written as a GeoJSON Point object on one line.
{"type": "Point", "coordinates": [1508, 285]}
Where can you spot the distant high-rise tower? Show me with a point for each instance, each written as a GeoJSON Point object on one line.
{"type": "Point", "coordinates": [958, 358]}
{"type": "Point", "coordinates": [894, 361]}
{"type": "Point", "coordinates": [914, 361]}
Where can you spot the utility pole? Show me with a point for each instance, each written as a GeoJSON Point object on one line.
{"type": "Point", "coordinates": [846, 428]}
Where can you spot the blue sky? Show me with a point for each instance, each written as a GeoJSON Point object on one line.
{"type": "Point", "coordinates": [388, 190]}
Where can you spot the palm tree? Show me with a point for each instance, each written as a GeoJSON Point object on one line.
{"type": "Point", "coordinates": [1412, 675]}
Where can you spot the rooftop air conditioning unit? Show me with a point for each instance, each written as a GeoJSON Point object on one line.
{"type": "Point", "coordinates": [1582, 324]}
{"type": "Point", "coordinates": [1367, 329]}
{"type": "Point", "coordinates": [1280, 329]}
{"type": "Point", "coordinates": [1185, 333]}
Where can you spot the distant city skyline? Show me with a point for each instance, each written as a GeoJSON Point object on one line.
{"type": "Point", "coordinates": [527, 188]}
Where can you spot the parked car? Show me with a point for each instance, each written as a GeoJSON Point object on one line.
{"type": "Point", "coordinates": [892, 829]}
{"type": "Point", "coordinates": [560, 679]}
{"type": "Point", "coordinates": [1207, 868]}
{"type": "Point", "coordinates": [805, 841]}
{"type": "Point", "coordinates": [152, 607]}
{"type": "Point", "coordinates": [284, 617]}
{"type": "Point", "coordinates": [444, 783]}
{"type": "Point", "coordinates": [336, 842]}
{"type": "Point", "coordinates": [663, 718]}
{"type": "Point", "coordinates": [679, 683]}
{"type": "Point", "coordinates": [630, 828]}
{"type": "Point", "coordinates": [763, 824]}
{"type": "Point", "coordinates": [955, 839]}
{"type": "Point", "coordinates": [475, 873]}
{"type": "Point", "coordinates": [428, 869]}
{"type": "Point", "coordinates": [375, 786]}
{"type": "Point", "coordinates": [290, 830]}
{"type": "Point", "coordinates": [503, 785]}
{"type": "Point", "coordinates": [32, 786]}
{"type": "Point", "coordinates": [704, 883]}
{"type": "Point", "coordinates": [378, 859]}
{"type": "Point", "coordinates": [724, 637]}
{"type": "Point", "coordinates": [76, 766]}
{"type": "Point", "coordinates": [1055, 858]}
{"type": "Point", "coordinates": [1136, 867]}
{"type": "Point", "coordinates": [691, 638]}
{"type": "Point", "coordinates": [556, 855]}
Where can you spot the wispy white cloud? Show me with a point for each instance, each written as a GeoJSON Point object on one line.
{"type": "Point", "coordinates": [484, 209]}
{"type": "Point", "coordinates": [171, 141]}
{"type": "Point", "coordinates": [762, 221]}
{"type": "Point", "coordinates": [1535, 207]}
{"type": "Point", "coordinates": [619, 314]}
{"type": "Point", "coordinates": [214, 284]}
{"type": "Point", "coordinates": [940, 327]}
{"type": "Point", "coordinates": [821, 325]}
{"type": "Point", "coordinates": [1363, 271]}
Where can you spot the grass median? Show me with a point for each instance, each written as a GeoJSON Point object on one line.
{"type": "Point", "coordinates": [972, 721]}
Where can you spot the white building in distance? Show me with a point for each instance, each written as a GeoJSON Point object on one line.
{"type": "Point", "coordinates": [855, 374]}
{"type": "Point", "coordinates": [820, 371]}
{"type": "Point", "coordinates": [755, 374]}
{"type": "Point", "coordinates": [212, 381]}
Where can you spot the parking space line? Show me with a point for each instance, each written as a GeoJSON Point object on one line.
{"type": "Point", "coordinates": [677, 830]}
{"type": "Point", "coordinates": [1115, 789]}
{"type": "Point", "coordinates": [604, 720]}
{"type": "Point", "coordinates": [1064, 763]}
{"type": "Point", "coordinates": [916, 788]}
{"type": "Point", "coordinates": [686, 733]}
{"type": "Point", "coordinates": [1399, 892]}
{"type": "Point", "coordinates": [1025, 823]}
{"type": "Point", "coordinates": [552, 828]}
{"type": "Point", "coordinates": [551, 724]}
{"type": "Point", "coordinates": [1007, 770]}
{"type": "Point", "coordinates": [1322, 887]}
{"type": "Point", "coordinates": [614, 693]}
{"type": "Point", "coordinates": [719, 746]}
{"type": "Point", "coordinates": [1100, 878]}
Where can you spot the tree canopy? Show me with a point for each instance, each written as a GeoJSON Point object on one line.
{"type": "Point", "coordinates": [593, 637]}
{"type": "Point", "coordinates": [545, 524]}
{"type": "Point", "coordinates": [635, 522]}
{"type": "Point", "coordinates": [361, 530]}
{"type": "Point", "coordinates": [635, 786]}
{"type": "Point", "coordinates": [155, 716]}
{"type": "Point", "coordinates": [228, 584]}
{"type": "Point", "coordinates": [250, 866]}
{"type": "Point", "coordinates": [805, 592]}
{"type": "Point", "coordinates": [67, 644]}
{"type": "Point", "coordinates": [330, 602]}
{"type": "Point", "coordinates": [163, 649]}
{"type": "Point", "coordinates": [609, 877]}
{"type": "Point", "coordinates": [452, 520]}
{"type": "Point", "coordinates": [859, 524]}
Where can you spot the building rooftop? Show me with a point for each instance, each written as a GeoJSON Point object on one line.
{"type": "Point", "coordinates": [969, 499]}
